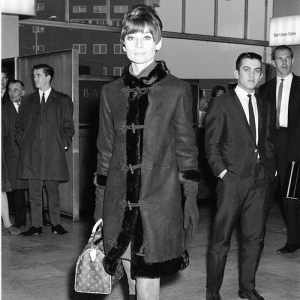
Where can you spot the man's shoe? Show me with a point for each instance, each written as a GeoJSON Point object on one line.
{"type": "Point", "coordinates": [13, 230]}
{"type": "Point", "coordinates": [250, 295]}
{"type": "Point", "coordinates": [288, 249]}
{"type": "Point", "coordinates": [32, 231]}
{"type": "Point", "coordinates": [58, 229]}
{"type": "Point", "coordinates": [213, 296]}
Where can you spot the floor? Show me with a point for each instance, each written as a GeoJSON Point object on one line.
{"type": "Point", "coordinates": [42, 267]}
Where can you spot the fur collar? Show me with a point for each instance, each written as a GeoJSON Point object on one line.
{"type": "Point", "coordinates": [158, 73]}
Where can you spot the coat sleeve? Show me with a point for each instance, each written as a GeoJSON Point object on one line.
{"type": "Point", "coordinates": [68, 123]}
{"type": "Point", "coordinates": [215, 122]}
{"type": "Point", "coordinates": [21, 123]}
{"type": "Point", "coordinates": [185, 140]}
{"type": "Point", "coordinates": [105, 136]}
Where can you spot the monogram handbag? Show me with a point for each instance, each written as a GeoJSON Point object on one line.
{"type": "Point", "coordinates": [293, 185]}
{"type": "Point", "coordinates": [90, 276]}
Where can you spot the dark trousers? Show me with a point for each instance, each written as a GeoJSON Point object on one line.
{"type": "Point", "coordinates": [291, 208]}
{"type": "Point", "coordinates": [16, 198]}
{"type": "Point", "coordinates": [241, 202]}
{"type": "Point", "coordinates": [36, 201]}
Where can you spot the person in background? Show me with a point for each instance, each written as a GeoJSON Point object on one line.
{"type": "Point", "coordinates": [4, 83]}
{"type": "Point", "coordinates": [10, 110]}
{"type": "Point", "coordinates": [146, 149]}
{"type": "Point", "coordinates": [5, 187]}
{"type": "Point", "coordinates": [241, 154]}
{"type": "Point", "coordinates": [283, 92]}
{"type": "Point", "coordinates": [44, 131]}
{"type": "Point", "coordinates": [217, 91]}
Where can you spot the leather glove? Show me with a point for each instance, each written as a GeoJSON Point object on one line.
{"type": "Point", "coordinates": [191, 210]}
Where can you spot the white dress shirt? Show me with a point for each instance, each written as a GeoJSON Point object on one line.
{"type": "Point", "coordinates": [47, 93]}
{"type": "Point", "coordinates": [243, 97]}
{"type": "Point", "coordinates": [284, 106]}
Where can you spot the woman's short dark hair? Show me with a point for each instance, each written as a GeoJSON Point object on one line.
{"type": "Point", "coordinates": [250, 55]}
{"type": "Point", "coordinates": [282, 47]}
{"type": "Point", "coordinates": [138, 18]}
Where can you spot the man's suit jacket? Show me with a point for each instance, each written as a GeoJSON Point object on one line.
{"type": "Point", "coordinates": [43, 137]}
{"type": "Point", "coordinates": [229, 143]}
{"type": "Point", "coordinates": [268, 93]}
{"type": "Point", "coordinates": [10, 149]}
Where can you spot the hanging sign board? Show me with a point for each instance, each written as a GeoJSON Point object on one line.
{"type": "Point", "coordinates": [18, 7]}
{"type": "Point", "coordinates": [285, 31]}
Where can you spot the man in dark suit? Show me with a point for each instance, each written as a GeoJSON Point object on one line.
{"type": "Point", "coordinates": [240, 153]}
{"type": "Point", "coordinates": [44, 132]}
{"type": "Point", "coordinates": [4, 83]}
{"type": "Point", "coordinates": [10, 110]}
{"type": "Point", "coordinates": [283, 92]}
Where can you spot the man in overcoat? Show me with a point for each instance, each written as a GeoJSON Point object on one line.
{"type": "Point", "coordinates": [44, 133]}
{"type": "Point", "coordinates": [283, 92]}
{"type": "Point", "coordinates": [241, 154]}
{"type": "Point", "coordinates": [10, 111]}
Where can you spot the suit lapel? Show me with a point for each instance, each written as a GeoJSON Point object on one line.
{"type": "Point", "coordinates": [241, 115]}
{"type": "Point", "coordinates": [292, 108]}
{"type": "Point", "coordinates": [260, 113]}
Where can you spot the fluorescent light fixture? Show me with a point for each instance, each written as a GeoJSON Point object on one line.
{"type": "Point", "coordinates": [285, 31]}
{"type": "Point", "coordinates": [18, 7]}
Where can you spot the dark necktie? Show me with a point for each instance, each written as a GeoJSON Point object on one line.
{"type": "Point", "coordinates": [279, 98]}
{"type": "Point", "coordinates": [43, 101]}
{"type": "Point", "coordinates": [251, 117]}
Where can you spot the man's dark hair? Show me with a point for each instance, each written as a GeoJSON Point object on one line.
{"type": "Point", "coordinates": [282, 47]}
{"type": "Point", "coordinates": [138, 18]}
{"type": "Point", "coordinates": [216, 89]}
{"type": "Point", "coordinates": [250, 55]}
{"type": "Point", "coordinates": [17, 81]}
{"type": "Point", "coordinates": [48, 70]}
{"type": "Point", "coordinates": [4, 70]}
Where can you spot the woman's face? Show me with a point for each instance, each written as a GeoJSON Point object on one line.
{"type": "Point", "coordinates": [140, 47]}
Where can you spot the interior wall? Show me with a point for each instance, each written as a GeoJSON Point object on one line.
{"type": "Point", "coordinates": [200, 59]}
{"type": "Point", "coordinates": [289, 8]}
{"type": "Point", "coordinates": [9, 36]}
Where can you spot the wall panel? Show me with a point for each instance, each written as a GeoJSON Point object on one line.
{"type": "Point", "coordinates": [200, 17]}
{"type": "Point", "coordinates": [170, 12]}
{"type": "Point", "coordinates": [231, 18]}
{"type": "Point", "coordinates": [199, 59]}
{"type": "Point", "coordinates": [256, 19]}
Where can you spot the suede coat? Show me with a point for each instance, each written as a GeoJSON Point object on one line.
{"type": "Point", "coordinates": [165, 145]}
{"type": "Point", "coordinates": [10, 149]}
{"type": "Point", "coordinates": [42, 138]}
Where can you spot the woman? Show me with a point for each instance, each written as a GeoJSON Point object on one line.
{"type": "Point", "coordinates": [146, 144]}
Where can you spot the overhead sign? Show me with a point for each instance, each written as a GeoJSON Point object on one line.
{"type": "Point", "coordinates": [285, 31]}
{"type": "Point", "coordinates": [18, 7]}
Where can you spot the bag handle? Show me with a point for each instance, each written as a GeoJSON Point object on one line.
{"type": "Point", "coordinates": [99, 223]}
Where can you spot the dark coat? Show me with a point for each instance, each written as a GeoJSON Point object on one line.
{"type": "Point", "coordinates": [10, 148]}
{"type": "Point", "coordinates": [42, 139]}
{"type": "Point", "coordinates": [268, 92]}
{"type": "Point", "coordinates": [168, 147]}
{"type": "Point", "coordinates": [228, 140]}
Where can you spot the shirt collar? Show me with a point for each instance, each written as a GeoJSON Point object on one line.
{"type": "Point", "coordinates": [45, 92]}
{"type": "Point", "coordinates": [287, 78]}
{"type": "Point", "coordinates": [241, 93]}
